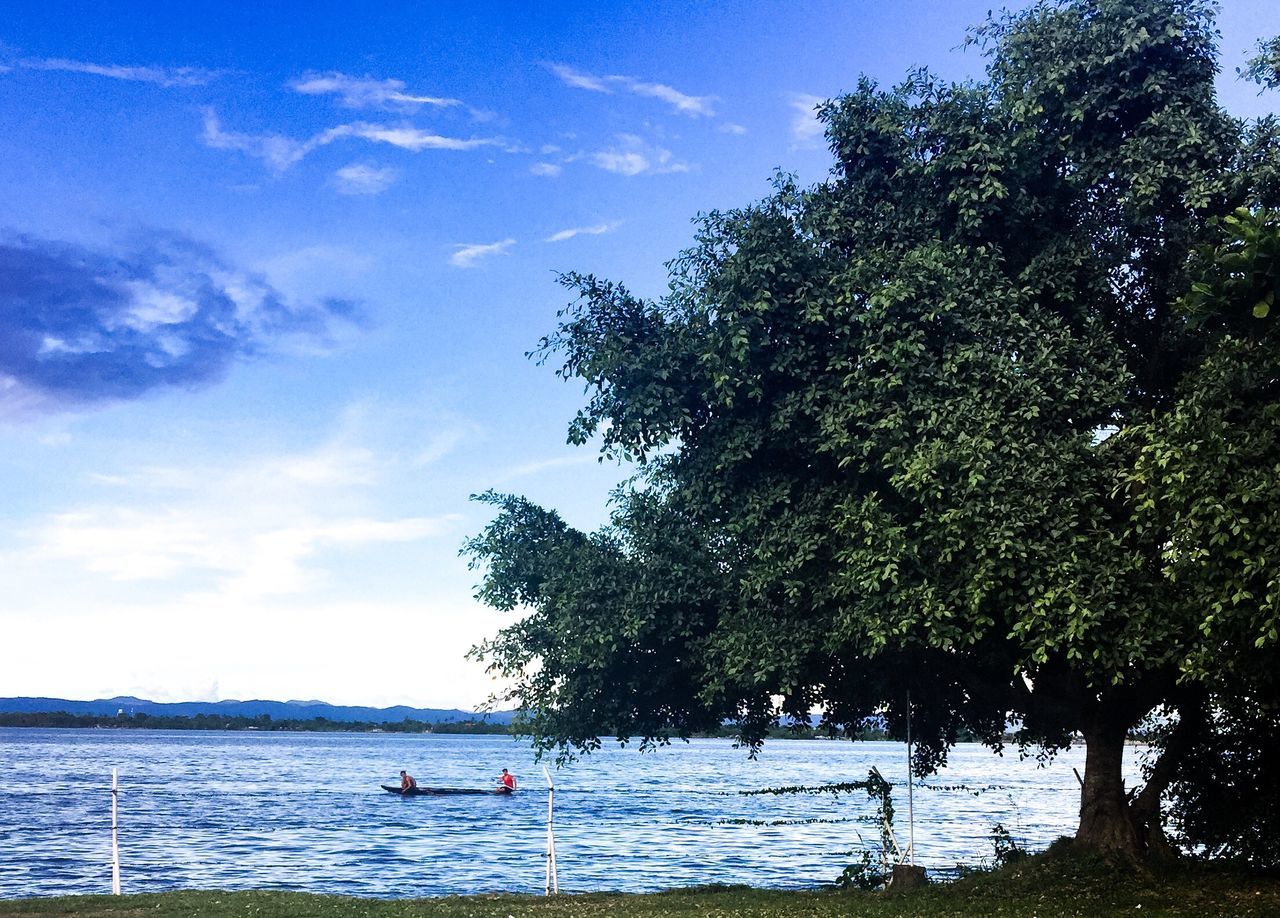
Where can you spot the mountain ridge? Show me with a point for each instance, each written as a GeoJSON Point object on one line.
{"type": "Point", "coordinates": [276, 710]}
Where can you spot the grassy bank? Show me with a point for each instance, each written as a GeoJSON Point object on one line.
{"type": "Point", "coordinates": [1042, 887]}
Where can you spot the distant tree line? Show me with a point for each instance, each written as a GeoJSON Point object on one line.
{"type": "Point", "coordinates": [261, 722]}
{"type": "Point", "coordinates": [143, 721]}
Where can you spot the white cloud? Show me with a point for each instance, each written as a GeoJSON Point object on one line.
{"type": "Point", "coordinates": [694, 106]}
{"type": "Point", "coordinates": [534, 468]}
{"type": "Point", "coordinates": [279, 152]}
{"type": "Point", "coordinates": [438, 446]}
{"type": "Point", "coordinates": [333, 265]}
{"type": "Point", "coordinates": [597, 230]}
{"type": "Point", "coordinates": [55, 438]}
{"type": "Point", "coordinates": [730, 128]}
{"type": "Point", "coordinates": [334, 466]}
{"type": "Point", "coordinates": [632, 156]}
{"type": "Point", "coordinates": [125, 544]}
{"type": "Point", "coordinates": [173, 525]}
{"type": "Point", "coordinates": [161, 76]}
{"type": "Point", "coordinates": [578, 80]}
{"type": "Point", "coordinates": [621, 162]}
{"type": "Point", "coordinates": [366, 92]}
{"type": "Point", "coordinates": [274, 565]}
{"type": "Point", "coordinates": [363, 179]}
{"type": "Point", "coordinates": [546, 170]}
{"type": "Point", "coordinates": [407, 138]}
{"type": "Point", "coordinates": [806, 129]}
{"type": "Point", "coordinates": [682, 103]}
{"type": "Point", "coordinates": [466, 256]}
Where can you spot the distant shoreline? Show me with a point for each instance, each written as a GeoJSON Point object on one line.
{"type": "Point", "coordinates": [266, 724]}
{"type": "Point", "coordinates": [263, 723]}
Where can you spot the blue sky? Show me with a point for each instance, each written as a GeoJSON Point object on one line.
{"type": "Point", "coordinates": [268, 274]}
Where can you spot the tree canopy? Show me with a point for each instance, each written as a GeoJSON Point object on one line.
{"type": "Point", "coordinates": [986, 420]}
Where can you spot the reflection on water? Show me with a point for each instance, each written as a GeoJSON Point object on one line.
{"type": "Point", "coordinates": [304, 811]}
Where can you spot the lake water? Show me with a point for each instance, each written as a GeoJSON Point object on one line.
{"type": "Point", "coordinates": [304, 811]}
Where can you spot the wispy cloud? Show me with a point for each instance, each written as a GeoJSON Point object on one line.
{"type": "Point", "coordinates": [280, 152]}
{"type": "Point", "coordinates": [598, 230]}
{"type": "Point", "coordinates": [694, 106]}
{"type": "Point", "coordinates": [730, 128]}
{"type": "Point", "coordinates": [277, 151]}
{"type": "Point", "coordinates": [466, 256]}
{"type": "Point", "coordinates": [806, 129]}
{"type": "Point", "coordinates": [631, 155]}
{"type": "Point", "coordinates": [366, 92]}
{"type": "Point", "coordinates": [438, 446]}
{"type": "Point", "coordinates": [82, 326]}
{"type": "Point", "coordinates": [546, 170]}
{"type": "Point", "coordinates": [578, 80]}
{"type": "Point", "coordinates": [169, 524]}
{"type": "Point", "coordinates": [363, 179]}
{"type": "Point", "coordinates": [161, 76]}
{"type": "Point", "coordinates": [683, 103]}
{"type": "Point", "coordinates": [408, 138]}
{"type": "Point", "coordinates": [544, 465]}
{"type": "Point", "coordinates": [292, 267]}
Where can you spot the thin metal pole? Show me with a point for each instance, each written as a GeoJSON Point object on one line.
{"type": "Point", "coordinates": [911, 803]}
{"type": "Point", "coordinates": [553, 879]}
{"type": "Point", "coordinates": [115, 838]}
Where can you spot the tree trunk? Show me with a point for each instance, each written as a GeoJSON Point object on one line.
{"type": "Point", "coordinates": [1106, 822]}
{"type": "Point", "coordinates": [1145, 808]}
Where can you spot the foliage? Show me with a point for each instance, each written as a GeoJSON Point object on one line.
{"type": "Point", "coordinates": [1006, 848]}
{"type": "Point", "coordinates": [937, 428]}
{"type": "Point", "coordinates": [1209, 474]}
{"type": "Point", "coordinates": [1264, 68]}
{"type": "Point", "coordinates": [858, 874]}
{"type": "Point", "coordinates": [1220, 804]}
{"type": "Point", "coordinates": [861, 874]}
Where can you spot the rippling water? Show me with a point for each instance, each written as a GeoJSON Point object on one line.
{"type": "Point", "coordinates": [304, 811]}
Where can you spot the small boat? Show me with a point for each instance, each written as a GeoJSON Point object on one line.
{"type": "Point", "coordinates": [443, 791]}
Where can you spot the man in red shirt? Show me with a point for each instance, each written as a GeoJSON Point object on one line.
{"type": "Point", "coordinates": [407, 784]}
{"type": "Point", "coordinates": [507, 782]}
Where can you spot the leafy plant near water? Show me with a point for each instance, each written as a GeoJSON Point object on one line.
{"type": "Point", "coordinates": [965, 788]}
{"type": "Point", "coordinates": [1007, 848]}
{"type": "Point", "coordinates": [860, 874]}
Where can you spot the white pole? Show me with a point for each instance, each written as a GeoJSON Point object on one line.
{"type": "Point", "coordinates": [553, 880]}
{"type": "Point", "coordinates": [115, 840]}
{"type": "Point", "coordinates": [911, 803]}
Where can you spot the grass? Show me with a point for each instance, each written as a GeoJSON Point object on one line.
{"type": "Point", "coordinates": [1053, 884]}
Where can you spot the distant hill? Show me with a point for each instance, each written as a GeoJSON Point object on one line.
{"type": "Point", "coordinates": [277, 710]}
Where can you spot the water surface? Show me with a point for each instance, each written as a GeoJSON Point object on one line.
{"type": "Point", "coordinates": [304, 811]}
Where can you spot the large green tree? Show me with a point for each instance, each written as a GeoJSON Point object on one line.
{"type": "Point", "coordinates": [946, 427]}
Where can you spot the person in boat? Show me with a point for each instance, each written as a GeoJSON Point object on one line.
{"type": "Point", "coordinates": [506, 782]}
{"type": "Point", "coordinates": [407, 784]}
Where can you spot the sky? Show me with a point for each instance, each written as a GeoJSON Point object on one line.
{"type": "Point", "coordinates": [269, 274]}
